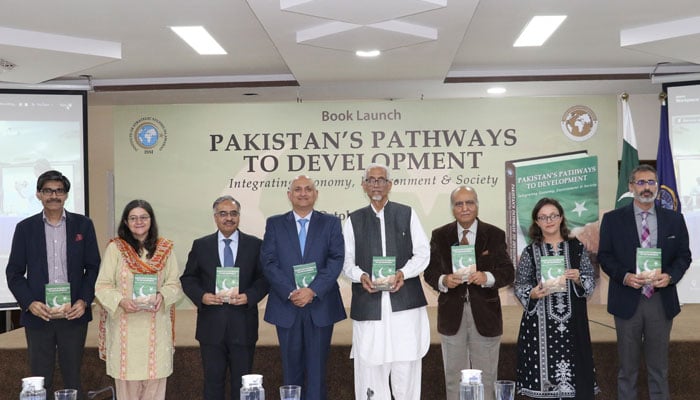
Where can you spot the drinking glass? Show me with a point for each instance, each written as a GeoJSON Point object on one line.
{"type": "Point", "coordinates": [290, 392]}
{"type": "Point", "coordinates": [66, 394]}
{"type": "Point", "coordinates": [505, 390]}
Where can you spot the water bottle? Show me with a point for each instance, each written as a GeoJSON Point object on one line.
{"type": "Point", "coordinates": [33, 388]}
{"type": "Point", "coordinates": [470, 387]}
{"type": "Point", "coordinates": [252, 388]}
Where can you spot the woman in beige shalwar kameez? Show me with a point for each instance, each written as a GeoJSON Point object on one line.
{"type": "Point", "coordinates": [137, 341]}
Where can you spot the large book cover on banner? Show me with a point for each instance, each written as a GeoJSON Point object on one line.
{"type": "Point", "coordinates": [570, 178]}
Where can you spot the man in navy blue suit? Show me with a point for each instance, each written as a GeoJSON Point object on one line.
{"type": "Point", "coordinates": [54, 246]}
{"type": "Point", "coordinates": [227, 328]}
{"type": "Point", "coordinates": [643, 308]}
{"type": "Point", "coordinates": [304, 314]}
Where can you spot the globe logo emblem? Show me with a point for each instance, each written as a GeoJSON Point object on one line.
{"type": "Point", "coordinates": [579, 123]}
{"type": "Point", "coordinates": [147, 135]}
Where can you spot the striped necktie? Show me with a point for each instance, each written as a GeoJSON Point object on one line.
{"type": "Point", "coordinates": [648, 289]}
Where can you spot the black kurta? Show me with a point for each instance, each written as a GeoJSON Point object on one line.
{"type": "Point", "coordinates": [554, 344]}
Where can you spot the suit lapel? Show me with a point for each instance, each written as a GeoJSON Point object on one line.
{"type": "Point", "coordinates": [40, 231]}
{"type": "Point", "coordinates": [293, 234]}
{"type": "Point", "coordinates": [481, 239]}
{"type": "Point", "coordinates": [634, 235]}
{"type": "Point", "coordinates": [212, 247]}
{"type": "Point", "coordinates": [661, 234]}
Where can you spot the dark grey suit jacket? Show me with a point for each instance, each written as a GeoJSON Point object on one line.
{"type": "Point", "coordinates": [200, 278]}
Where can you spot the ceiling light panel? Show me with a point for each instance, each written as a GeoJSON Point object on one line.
{"type": "Point", "coordinates": [538, 30]}
{"type": "Point", "coordinates": [199, 39]}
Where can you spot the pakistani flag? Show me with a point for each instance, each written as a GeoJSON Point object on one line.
{"type": "Point", "coordinates": [630, 157]}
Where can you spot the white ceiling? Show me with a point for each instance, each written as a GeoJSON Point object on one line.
{"type": "Point", "coordinates": [289, 50]}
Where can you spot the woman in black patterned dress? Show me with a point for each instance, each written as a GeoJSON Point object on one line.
{"type": "Point", "coordinates": [555, 359]}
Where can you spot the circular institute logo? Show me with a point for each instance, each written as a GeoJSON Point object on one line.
{"type": "Point", "coordinates": [667, 198]}
{"type": "Point", "coordinates": [147, 134]}
{"type": "Point", "coordinates": [579, 123]}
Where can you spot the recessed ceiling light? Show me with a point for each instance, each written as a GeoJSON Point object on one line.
{"type": "Point", "coordinates": [367, 53]}
{"type": "Point", "coordinates": [199, 39]}
{"type": "Point", "coordinates": [538, 30]}
{"type": "Point", "coordinates": [496, 90]}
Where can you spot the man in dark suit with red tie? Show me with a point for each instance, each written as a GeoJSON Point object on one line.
{"type": "Point", "coordinates": [469, 313]}
{"type": "Point", "coordinates": [304, 315]}
{"type": "Point", "coordinates": [643, 310]}
{"type": "Point", "coordinates": [227, 329]}
{"type": "Point", "coordinates": [58, 247]}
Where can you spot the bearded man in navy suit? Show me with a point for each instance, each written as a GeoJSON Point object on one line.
{"type": "Point", "coordinates": [643, 310]}
{"type": "Point", "coordinates": [227, 328]}
{"type": "Point", "coordinates": [54, 246]}
{"type": "Point", "coordinates": [304, 314]}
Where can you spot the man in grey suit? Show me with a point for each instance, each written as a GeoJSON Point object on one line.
{"type": "Point", "coordinates": [643, 310]}
{"type": "Point", "coordinates": [227, 329]}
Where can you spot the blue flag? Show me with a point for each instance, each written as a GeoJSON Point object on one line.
{"type": "Point", "coordinates": [668, 192]}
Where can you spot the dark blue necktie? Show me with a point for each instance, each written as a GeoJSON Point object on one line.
{"type": "Point", "coordinates": [228, 253]}
{"type": "Point", "coordinates": [302, 234]}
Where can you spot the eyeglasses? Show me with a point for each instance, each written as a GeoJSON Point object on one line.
{"type": "Point", "coordinates": [549, 218]}
{"type": "Point", "coordinates": [468, 204]}
{"type": "Point", "coordinates": [141, 218]}
{"type": "Point", "coordinates": [642, 182]}
{"type": "Point", "coordinates": [224, 214]}
{"type": "Point", "coordinates": [377, 181]}
{"type": "Point", "coordinates": [49, 192]}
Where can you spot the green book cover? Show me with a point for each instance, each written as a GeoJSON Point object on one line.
{"type": "Point", "coordinates": [571, 178]}
{"type": "Point", "coordinates": [304, 274]}
{"type": "Point", "coordinates": [144, 290]}
{"type": "Point", "coordinates": [58, 297]}
{"type": "Point", "coordinates": [227, 281]}
{"type": "Point", "coordinates": [383, 272]}
{"type": "Point", "coordinates": [464, 260]}
{"type": "Point", "coordinates": [552, 271]}
{"type": "Point", "coordinates": [648, 262]}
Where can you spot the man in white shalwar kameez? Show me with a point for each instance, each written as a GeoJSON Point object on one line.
{"type": "Point", "coordinates": [391, 333]}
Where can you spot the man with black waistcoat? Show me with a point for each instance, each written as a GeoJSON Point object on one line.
{"type": "Point", "coordinates": [227, 326]}
{"type": "Point", "coordinates": [57, 247]}
{"type": "Point", "coordinates": [391, 333]}
{"type": "Point", "coordinates": [470, 321]}
{"type": "Point", "coordinates": [643, 307]}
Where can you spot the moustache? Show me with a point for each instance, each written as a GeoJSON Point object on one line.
{"type": "Point", "coordinates": [649, 192]}
{"type": "Point", "coordinates": [53, 201]}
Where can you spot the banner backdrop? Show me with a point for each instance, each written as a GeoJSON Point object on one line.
{"type": "Point", "coordinates": [181, 157]}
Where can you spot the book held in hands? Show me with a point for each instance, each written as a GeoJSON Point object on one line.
{"type": "Point", "coordinates": [552, 269]}
{"type": "Point", "coordinates": [304, 274]}
{"type": "Point", "coordinates": [463, 261]}
{"type": "Point", "coordinates": [227, 282]}
{"type": "Point", "coordinates": [58, 299]}
{"type": "Point", "coordinates": [145, 289]}
{"type": "Point", "coordinates": [648, 262]}
{"type": "Point", "coordinates": [383, 272]}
